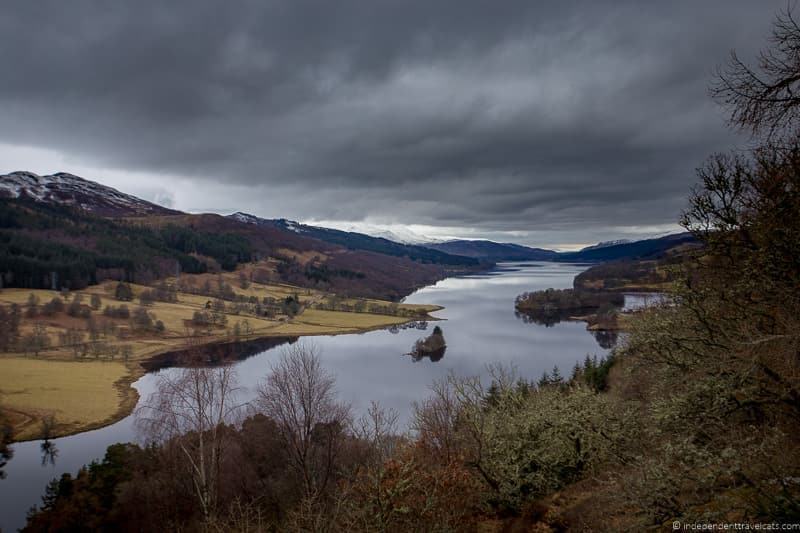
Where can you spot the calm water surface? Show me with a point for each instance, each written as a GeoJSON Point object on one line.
{"type": "Point", "coordinates": [479, 326]}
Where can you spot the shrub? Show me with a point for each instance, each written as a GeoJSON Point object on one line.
{"type": "Point", "coordinates": [56, 305]}
{"type": "Point", "coordinates": [123, 292]}
{"type": "Point", "coordinates": [121, 312]}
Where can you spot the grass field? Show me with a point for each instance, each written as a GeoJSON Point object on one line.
{"type": "Point", "coordinates": [77, 394]}
{"type": "Point", "coordinates": [88, 391]}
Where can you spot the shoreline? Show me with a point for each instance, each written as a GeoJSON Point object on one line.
{"type": "Point", "coordinates": [129, 396]}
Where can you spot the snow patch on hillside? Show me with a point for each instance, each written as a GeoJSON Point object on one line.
{"type": "Point", "coordinates": [68, 189]}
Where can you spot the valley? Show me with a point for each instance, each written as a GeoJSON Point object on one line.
{"type": "Point", "coordinates": [111, 352]}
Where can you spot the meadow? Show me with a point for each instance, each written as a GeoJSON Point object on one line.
{"type": "Point", "coordinates": [80, 377]}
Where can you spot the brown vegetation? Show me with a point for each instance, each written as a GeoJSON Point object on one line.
{"type": "Point", "coordinates": [163, 320]}
{"type": "Point", "coordinates": [695, 420]}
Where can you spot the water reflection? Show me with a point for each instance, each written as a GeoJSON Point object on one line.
{"type": "Point", "coordinates": [434, 356]}
{"type": "Point", "coordinates": [478, 319]}
{"type": "Point", "coordinates": [6, 451]}
{"type": "Point", "coordinates": [547, 321]}
{"type": "Point", "coordinates": [607, 339]}
{"type": "Point", "coordinates": [433, 347]}
{"type": "Point", "coordinates": [49, 452]}
{"type": "Point", "coordinates": [417, 324]}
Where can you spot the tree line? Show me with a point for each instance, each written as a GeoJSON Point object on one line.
{"type": "Point", "coordinates": [49, 247]}
{"type": "Point", "coordinates": [695, 419]}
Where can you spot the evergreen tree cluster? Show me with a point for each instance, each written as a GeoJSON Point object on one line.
{"type": "Point", "coordinates": [50, 247]}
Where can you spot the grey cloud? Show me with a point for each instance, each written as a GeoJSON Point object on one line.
{"type": "Point", "coordinates": [503, 116]}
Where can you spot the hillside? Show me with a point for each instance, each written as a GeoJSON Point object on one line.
{"type": "Point", "coordinates": [605, 251]}
{"type": "Point", "coordinates": [359, 241]}
{"type": "Point", "coordinates": [69, 190]}
{"type": "Point", "coordinates": [653, 273]}
{"type": "Point", "coordinates": [63, 231]}
{"type": "Point", "coordinates": [494, 251]}
{"type": "Point", "coordinates": [647, 248]}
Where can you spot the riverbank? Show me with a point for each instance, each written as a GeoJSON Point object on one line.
{"type": "Point", "coordinates": [81, 377]}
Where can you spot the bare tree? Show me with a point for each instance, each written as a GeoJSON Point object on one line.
{"type": "Point", "coordinates": [300, 396]}
{"type": "Point", "coordinates": [378, 428]}
{"type": "Point", "coordinates": [435, 419]}
{"type": "Point", "coordinates": [37, 340]}
{"type": "Point", "coordinates": [73, 338]}
{"type": "Point", "coordinates": [765, 100]}
{"type": "Point", "coordinates": [191, 409]}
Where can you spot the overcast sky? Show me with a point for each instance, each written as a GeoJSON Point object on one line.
{"type": "Point", "coordinates": [544, 123]}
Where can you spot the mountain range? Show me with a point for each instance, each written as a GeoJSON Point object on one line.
{"type": "Point", "coordinates": [360, 241]}
{"type": "Point", "coordinates": [85, 232]}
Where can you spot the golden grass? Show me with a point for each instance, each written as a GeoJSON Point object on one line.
{"type": "Point", "coordinates": [87, 393]}
{"type": "Point", "coordinates": [339, 319]}
{"type": "Point", "coordinates": [20, 296]}
{"type": "Point", "coordinates": [76, 394]}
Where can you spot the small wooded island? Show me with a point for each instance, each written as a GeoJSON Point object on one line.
{"type": "Point", "coordinates": [433, 346]}
{"type": "Point", "coordinates": [551, 306]}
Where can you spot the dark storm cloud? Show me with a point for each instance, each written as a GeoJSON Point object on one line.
{"type": "Point", "coordinates": [506, 116]}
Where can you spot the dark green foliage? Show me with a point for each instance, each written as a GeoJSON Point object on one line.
{"type": "Point", "coordinates": [319, 274]}
{"type": "Point", "coordinates": [227, 249]}
{"type": "Point", "coordinates": [85, 502]}
{"type": "Point", "coordinates": [324, 274]}
{"type": "Point", "coordinates": [553, 305]}
{"type": "Point", "coordinates": [64, 247]}
{"type": "Point", "coordinates": [594, 372]}
{"type": "Point", "coordinates": [290, 306]}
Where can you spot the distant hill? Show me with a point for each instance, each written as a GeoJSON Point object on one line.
{"type": "Point", "coordinates": [598, 253]}
{"type": "Point", "coordinates": [64, 231]}
{"type": "Point", "coordinates": [648, 248]}
{"type": "Point", "coordinates": [67, 189]}
{"type": "Point", "coordinates": [654, 273]}
{"type": "Point", "coordinates": [359, 241]}
{"type": "Point", "coordinates": [82, 232]}
{"type": "Point", "coordinates": [606, 244]}
{"type": "Point", "coordinates": [494, 251]}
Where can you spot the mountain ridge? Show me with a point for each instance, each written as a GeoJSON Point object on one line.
{"type": "Point", "coordinates": [67, 189]}
{"type": "Point", "coordinates": [360, 241]}
{"type": "Point", "coordinates": [493, 251]}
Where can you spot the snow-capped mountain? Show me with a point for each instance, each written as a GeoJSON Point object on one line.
{"type": "Point", "coordinates": [247, 218]}
{"type": "Point", "coordinates": [68, 189]}
{"type": "Point", "coordinates": [606, 244]}
{"type": "Point", "coordinates": [282, 223]}
{"type": "Point", "coordinates": [354, 240]}
{"type": "Point", "coordinates": [401, 236]}
{"type": "Point", "coordinates": [397, 233]}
